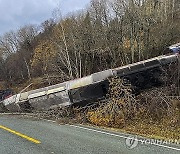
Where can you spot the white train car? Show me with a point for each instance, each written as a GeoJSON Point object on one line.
{"type": "Point", "coordinates": [84, 89]}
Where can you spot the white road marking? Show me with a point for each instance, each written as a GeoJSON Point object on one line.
{"type": "Point", "coordinates": [121, 136]}
{"type": "Point", "coordinates": [98, 131]}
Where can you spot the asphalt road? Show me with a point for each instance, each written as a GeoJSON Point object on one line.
{"type": "Point", "coordinates": [28, 136]}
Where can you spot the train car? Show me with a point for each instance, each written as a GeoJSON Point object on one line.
{"type": "Point", "coordinates": [4, 94]}
{"type": "Point", "coordinates": [89, 88]}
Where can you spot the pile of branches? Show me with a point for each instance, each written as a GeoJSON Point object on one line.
{"type": "Point", "coordinates": [159, 104]}
{"type": "Point", "coordinates": [120, 105]}
{"type": "Point", "coordinates": [64, 115]}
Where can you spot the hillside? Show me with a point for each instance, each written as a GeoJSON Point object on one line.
{"type": "Point", "coordinates": [107, 34]}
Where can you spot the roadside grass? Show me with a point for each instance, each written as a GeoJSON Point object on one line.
{"type": "Point", "coordinates": [160, 130]}
{"type": "Point", "coordinates": [166, 128]}
{"type": "Point", "coordinates": [157, 130]}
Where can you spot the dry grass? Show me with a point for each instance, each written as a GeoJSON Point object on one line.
{"type": "Point", "coordinates": [165, 129]}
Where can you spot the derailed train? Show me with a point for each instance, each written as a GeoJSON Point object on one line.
{"type": "Point", "coordinates": [88, 88]}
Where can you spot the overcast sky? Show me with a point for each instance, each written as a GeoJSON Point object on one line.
{"type": "Point", "coordinates": [16, 13]}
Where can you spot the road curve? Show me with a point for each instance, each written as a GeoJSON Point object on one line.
{"type": "Point", "coordinates": [27, 136]}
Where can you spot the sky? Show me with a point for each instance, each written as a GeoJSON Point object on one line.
{"type": "Point", "coordinates": [17, 13]}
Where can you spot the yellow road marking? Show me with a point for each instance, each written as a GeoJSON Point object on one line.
{"type": "Point", "coordinates": [19, 134]}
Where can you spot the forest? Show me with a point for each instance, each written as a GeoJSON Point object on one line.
{"type": "Point", "coordinates": [107, 34]}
